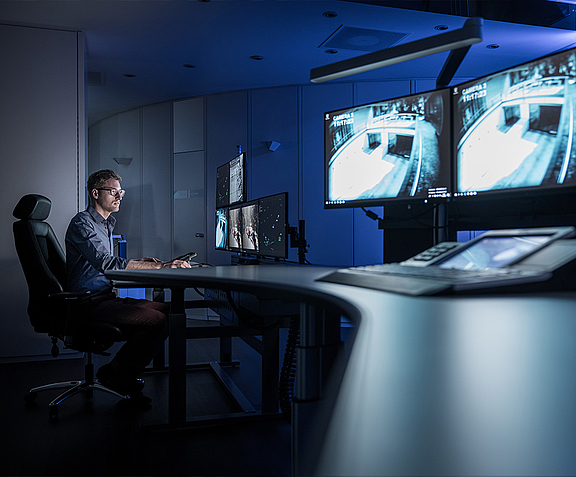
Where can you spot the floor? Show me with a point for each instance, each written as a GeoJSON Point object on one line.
{"type": "Point", "coordinates": [103, 437]}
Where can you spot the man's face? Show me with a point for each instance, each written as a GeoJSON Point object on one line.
{"type": "Point", "coordinates": [106, 203]}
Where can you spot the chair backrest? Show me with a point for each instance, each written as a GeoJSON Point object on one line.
{"type": "Point", "coordinates": [41, 256]}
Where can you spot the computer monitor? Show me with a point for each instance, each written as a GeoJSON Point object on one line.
{"type": "Point", "coordinates": [514, 130]}
{"type": "Point", "coordinates": [221, 228]}
{"type": "Point", "coordinates": [250, 227]}
{"type": "Point", "coordinates": [235, 229]}
{"type": "Point", "coordinates": [230, 182]}
{"type": "Point", "coordinates": [273, 228]}
{"type": "Point", "coordinates": [258, 227]}
{"type": "Point", "coordinates": [392, 150]}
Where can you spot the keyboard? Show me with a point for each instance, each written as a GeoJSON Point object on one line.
{"type": "Point", "coordinates": [432, 280]}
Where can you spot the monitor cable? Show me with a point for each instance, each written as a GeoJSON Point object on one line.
{"type": "Point", "coordinates": [288, 371]}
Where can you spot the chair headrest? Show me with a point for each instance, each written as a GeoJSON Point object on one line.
{"type": "Point", "coordinates": [33, 207]}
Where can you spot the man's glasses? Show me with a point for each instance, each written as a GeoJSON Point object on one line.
{"type": "Point", "coordinates": [113, 192]}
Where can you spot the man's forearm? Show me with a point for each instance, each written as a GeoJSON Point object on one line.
{"type": "Point", "coordinates": [144, 263]}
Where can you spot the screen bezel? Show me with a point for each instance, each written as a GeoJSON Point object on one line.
{"type": "Point", "coordinates": [444, 149]}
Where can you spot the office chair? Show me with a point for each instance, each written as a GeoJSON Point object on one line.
{"type": "Point", "coordinates": [44, 264]}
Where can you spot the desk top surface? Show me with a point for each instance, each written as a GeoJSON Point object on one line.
{"type": "Point", "coordinates": [434, 385]}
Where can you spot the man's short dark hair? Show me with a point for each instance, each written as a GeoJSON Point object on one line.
{"type": "Point", "coordinates": [97, 180]}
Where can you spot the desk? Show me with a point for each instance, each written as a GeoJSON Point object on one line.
{"type": "Point", "coordinates": [432, 385]}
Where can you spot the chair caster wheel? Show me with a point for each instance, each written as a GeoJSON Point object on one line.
{"type": "Point", "coordinates": [30, 398]}
{"type": "Point", "coordinates": [53, 413]}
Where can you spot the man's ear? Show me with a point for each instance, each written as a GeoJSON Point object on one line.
{"type": "Point", "coordinates": [94, 194]}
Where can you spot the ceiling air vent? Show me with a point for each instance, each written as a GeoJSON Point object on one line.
{"type": "Point", "coordinates": [362, 39]}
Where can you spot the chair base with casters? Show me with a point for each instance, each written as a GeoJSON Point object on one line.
{"type": "Point", "coordinates": [87, 386]}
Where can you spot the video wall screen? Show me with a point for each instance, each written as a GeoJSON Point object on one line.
{"type": "Point", "coordinates": [258, 227]}
{"type": "Point", "coordinates": [235, 228]}
{"type": "Point", "coordinates": [514, 130]}
{"type": "Point", "coordinates": [273, 231]}
{"type": "Point", "coordinates": [230, 182]}
{"type": "Point", "coordinates": [397, 149]}
{"type": "Point", "coordinates": [223, 185]}
{"type": "Point", "coordinates": [221, 229]}
{"type": "Point", "coordinates": [250, 227]}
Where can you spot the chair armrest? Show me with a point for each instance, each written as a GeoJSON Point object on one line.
{"type": "Point", "coordinates": [128, 284]}
{"type": "Point", "coordinates": [68, 296]}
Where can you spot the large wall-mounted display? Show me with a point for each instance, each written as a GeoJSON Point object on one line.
{"type": "Point", "coordinates": [508, 132]}
{"type": "Point", "coordinates": [398, 149]}
{"type": "Point", "coordinates": [514, 130]}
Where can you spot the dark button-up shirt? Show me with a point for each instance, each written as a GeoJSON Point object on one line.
{"type": "Point", "coordinates": [89, 252]}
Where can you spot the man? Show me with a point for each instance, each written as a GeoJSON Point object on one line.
{"type": "Point", "coordinates": [89, 254]}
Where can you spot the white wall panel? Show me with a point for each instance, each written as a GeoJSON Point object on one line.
{"type": "Point", "coordinates": [156, 182]}
{"type": "Point", "coordinates": [189, 125]}
{"type": "Point", "coordinates": [41, 112]}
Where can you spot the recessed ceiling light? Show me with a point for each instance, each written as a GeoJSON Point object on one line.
{"type": "Point", "coordinates": [330, 14]}
{"type": "Point", "coordinates": [127, 75]}
{"type": "Point", "coordinates": [257, 57]}
{"type": "Point", "coordinates": [493, 46]}
{"type": "Point", "coordinates": [187, 65]}
{"type": "Point", "coordinates": [441, 27]}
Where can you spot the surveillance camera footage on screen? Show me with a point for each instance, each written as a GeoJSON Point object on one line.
{"type": "Point", "coordinates": [514, 130]}
{"type": "Point", "coordinates": [394, 149]}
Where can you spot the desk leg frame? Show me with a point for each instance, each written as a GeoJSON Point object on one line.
{"type": "Point", "coordinates": [177, 373]}
{"type": "Point", "coordinates": [315, 356]}
{"type": "Point", "coordinates": [177, 358]}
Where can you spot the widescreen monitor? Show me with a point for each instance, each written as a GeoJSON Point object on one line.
{"type": "Point", "coordinates": [230, 182]}
{"type": "Point", "coordinates": [392, 150]}
{"type": "Point", "coordinates": [514, 130]}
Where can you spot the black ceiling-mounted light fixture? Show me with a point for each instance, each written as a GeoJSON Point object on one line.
{"type": "Point", "coordinates": [457, 41]}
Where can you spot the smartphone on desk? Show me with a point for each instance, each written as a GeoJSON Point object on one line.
{"type": "Point", "coordinates": [187, 257]}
